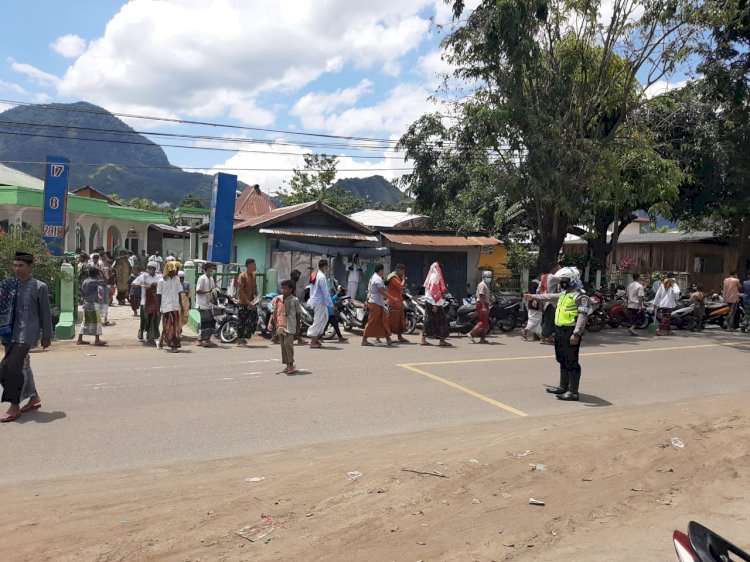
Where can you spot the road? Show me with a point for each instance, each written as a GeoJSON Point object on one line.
{"type": "Point", "coordinates": [134, 407]}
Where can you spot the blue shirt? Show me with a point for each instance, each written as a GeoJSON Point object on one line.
{"type": "Point", "coordinates": [33, 313]}
{"type": "Point", "coordinates": [746, 293]}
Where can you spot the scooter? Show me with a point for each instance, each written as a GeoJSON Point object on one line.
{"type": "Point", "coordinates": [227, 320]}
{"type": "Point", "coordinates": [700, 544]}
{"type": "Point", "coordinates": [412, 313]}
{"type": "Point", "coordinates": [507, 312]}
{"type": "Point", "coordinates": [265, 311]}
{"type": "Point", "coordinates": [461, 317]}
{"type": "Point", "coordinates": [353, 314]}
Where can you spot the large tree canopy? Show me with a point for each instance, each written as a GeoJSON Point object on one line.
{"type": "Point", "coordinates": [546, 122]}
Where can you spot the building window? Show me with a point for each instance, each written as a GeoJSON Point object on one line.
{"type": "Point", "coordinates": [708, 264]}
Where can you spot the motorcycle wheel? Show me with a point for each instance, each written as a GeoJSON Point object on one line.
{"type": "Point", "coordinates": [644, 322]}
{"type": "Point", "coordinates": [507, 324]}
{"type": "Point", "coordinates": [228, 331]}
{"type": "Point", "coordinates": [690, 324]}
{"type": "Point", "coordinates": [411, 324]}
{"type": "Point", "coordinates": [615, 321]}
{"type": "Point", "coordinates": [330, 333]}
{"type": "Point", "coordinates": [595, 324]}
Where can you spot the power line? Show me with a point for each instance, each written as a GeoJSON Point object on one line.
{"type": "Point", "coordinates": [56, 107]}
{"type": "Point", "coordinates": [222, 169]}
{"type": "Point", "coordinates": [22, 124]}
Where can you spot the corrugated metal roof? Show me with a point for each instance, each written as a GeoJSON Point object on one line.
{"type": "Point", "coordinates": [287, 213]}
{"type": "Point", "coordinates": [436, 239]}
{"type": "Point", "coordinates": [11, 176]}
{"type": "Point", "coordinates": [656, 238]}
{"type": "Point", "coordinates": [317, 232]}
{"type": "Point", "coordinates": [253, 203]}
{"type": "Point", "coordinates": [387, 219]}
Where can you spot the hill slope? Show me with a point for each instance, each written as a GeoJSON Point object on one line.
{"type": "Point", "coordinates": [127, 164]}
{"type": "Point", "coordinates": [375, 189]}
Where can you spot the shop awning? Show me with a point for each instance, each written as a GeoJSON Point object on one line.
{"type": "Point", "coordinates": [438, 239]}
{"type": "Point", "coordinates": [317, 233]}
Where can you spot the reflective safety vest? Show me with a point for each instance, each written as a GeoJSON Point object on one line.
{"type": "Point", "coordinates": [566, 313]}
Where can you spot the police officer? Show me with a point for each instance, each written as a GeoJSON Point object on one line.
{"type": "Point", "coordinates": [570, 322]}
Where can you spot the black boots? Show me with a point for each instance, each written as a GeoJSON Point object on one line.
{"type": "Point", "coordinates": [556, 390]}
{"type": "Point", "coordinates": [571, 395]}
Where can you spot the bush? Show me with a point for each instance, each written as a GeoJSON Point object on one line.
{"type": "Point", "coordinates": [519, 258]}
{"type": "Point", "coordinates": [29, 240]}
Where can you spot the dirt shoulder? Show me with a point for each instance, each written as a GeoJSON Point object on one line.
{"type": "Point", "coordinates": [614, 487]}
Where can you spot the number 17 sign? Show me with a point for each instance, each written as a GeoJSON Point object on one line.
{"type": "Point", "coordinates": [55, 204]}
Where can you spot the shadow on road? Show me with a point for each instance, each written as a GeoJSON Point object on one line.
{"type": "Point", "coordinates": [38, 416]}
{"type": "Point", "coordinates": [593, 401]}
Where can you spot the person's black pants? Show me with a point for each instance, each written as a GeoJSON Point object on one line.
{"type": "Point", "coordinates": [11, 371]}
{"type": "Point", "coordinates": [334, 321]}
{"type": "Point", "coordinates": [548, 321]}
{"type": "Point", "coordinates": [567, 356]}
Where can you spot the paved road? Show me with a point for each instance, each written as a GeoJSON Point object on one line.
{"type": "Point", "coordinates": [137, 407]}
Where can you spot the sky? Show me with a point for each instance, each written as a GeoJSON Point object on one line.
{"type": "Point", "coordinates": [337, 67]}
{"type": "Point", "coordinates": [349, 68]}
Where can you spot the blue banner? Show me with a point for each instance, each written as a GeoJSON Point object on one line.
{"type": "Point", "coordinates": [222, 218]}
{"type": "Point", "coordinates": [55, 204]}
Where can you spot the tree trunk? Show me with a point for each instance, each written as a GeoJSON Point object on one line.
{"type": "Point", "coordinates": [552, 231]}
{"type": "Point", "coordinates": [743, 249]}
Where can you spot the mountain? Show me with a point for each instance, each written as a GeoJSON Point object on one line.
{"type": "Point", "coordinates": [127, 163]}
{"type": "Point", "coordinates": [119, 160]}
{"type": "Point", "coordinates": [375, 189]}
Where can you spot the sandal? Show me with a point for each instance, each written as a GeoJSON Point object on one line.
{"type": "Point", "coordinates": [10, 417]}
{"type": "Point", "coordinates": [31, 407]}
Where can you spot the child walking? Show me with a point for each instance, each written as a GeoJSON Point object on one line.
{"type": "Point", "coordinates": [286, 313]}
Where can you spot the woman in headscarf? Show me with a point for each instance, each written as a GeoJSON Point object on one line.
{"type": "Point", "coordinates": [436, 322]}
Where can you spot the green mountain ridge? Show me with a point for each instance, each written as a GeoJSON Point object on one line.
{"type": "Point", "coordinates": [89, 134]}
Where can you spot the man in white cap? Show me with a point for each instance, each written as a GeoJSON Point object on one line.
{"type": "Point", "coordinates": [148, 282]}
{"type": "Point", "coordinates": [484, 291]}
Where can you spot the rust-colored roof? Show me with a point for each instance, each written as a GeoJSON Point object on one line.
{"type": "Point", "coordinates": [285, 213]}
{"type": "Point", "coordinates": [253, 203]}
{"type": "Point", "coordinates": [439, 239]}
{"type": "Point", "coordinates": [91, 193]}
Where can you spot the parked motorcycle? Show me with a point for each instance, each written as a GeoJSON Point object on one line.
{"type": "Point", "coordinates": [353, 314]}
{"type": "Point", "coordinates": [265, 312]}
{"type": "Point", "coordinates": [507, 312]}
{"type": "Point", "coordinates": [700, 544]}
{"type": "Point", "coordinates": [461, 317]}
{"type": "Point", "coordinates": [227, 321]}
{"type": "Point", "coordinates": [414, 316]}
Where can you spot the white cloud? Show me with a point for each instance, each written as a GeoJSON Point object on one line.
{"type": "Point", "coordinates": [662, 87]}
{"type": "Point", "coordinates": [12, 87]}
{"type": "Point", "coordinates": [392, 115]}
{"type": "Point", "coordinates": [272, 169]}
{"type": "Point", "coordinates": [34, 73]}
{"type": "Point", "coordinates": [314, 106]}
{"type": "Point", "coordinates": [70, 46]}
{"type": "Point", "coordinates": [194, 57]}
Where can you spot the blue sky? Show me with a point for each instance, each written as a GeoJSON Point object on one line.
{"type": "Point", "coordinates": [338, 67]}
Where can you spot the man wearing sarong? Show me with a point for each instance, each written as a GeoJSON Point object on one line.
{"type": "Point", "coordinates": [134, 291]}
{"type": "Point", "coordinates": [24, 314]}
{"type": "Point", "coordinates": [484, 290]}
{"type": "Point", "coordinates": [148, 282]}
{"type": "Point", "coordinates": [377, 310]}
{"type": "Point", "coordinates": [92, 293]}
{"type": "Point", "coordinates": [320, 301]}
{"type": "Point", "coordinates": [247, 292]}
{"type": "Point", "coordinates": [395, 295]}
{"type": "Point", "coordinates": [168, 294]}
{"type": "Point", "coordinates": [122, 270]}
{"type": "Point", "coordinates": [203, 291]}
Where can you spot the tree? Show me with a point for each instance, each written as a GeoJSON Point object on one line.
{"type": "Point", "coordinates": [546, 121]}
{"type": "Point", "coordinates": [315, 183]}
{"type": "Point", "coordinates": [28, 239]}
{"type": "Point", "coordinates": [192, 201]}
{"type": "Point", "coordinates": [145, 204]}
{"type": "Point", "coordinates": [116, 198]}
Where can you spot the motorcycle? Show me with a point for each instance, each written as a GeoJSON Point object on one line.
{"type": "Point", "coordinates": [461, 317]}
{"type": "Point", "coordinates": [700, 544]}
{"type": "Point", "coordinates": [597, 317]}
{"type": "Point", "coordinates": [265, 311]}
{"type": "Point", "coordinates": [413, 312]}
{"type": "Point", "coordinates": [227, 320]}
{"type": "Point", "coordinates": [507, 312]}
{"type": "Point", "coordinates": [353, 314]}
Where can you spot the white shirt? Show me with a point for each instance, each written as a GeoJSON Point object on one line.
{"type": "Point", "coordinates": [319, 293]}
{"type": "Point", "coordinates": [635, 294]}
{"type": "Point", "coordinates": [205, 283]}
{"type": "Point", "coordinates": [158, 260]}
{"type": "Point", "coordinates": [666, 298]}
{"type": "Point", "coordinates": [354, 275]}
{"type": "Point", "coordinates": [146, 280]}
{"type": "Point", "coordinates": [169, 288]}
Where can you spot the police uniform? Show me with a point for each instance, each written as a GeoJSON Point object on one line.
{"type": "Point", "coordinates": [570, 319]}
